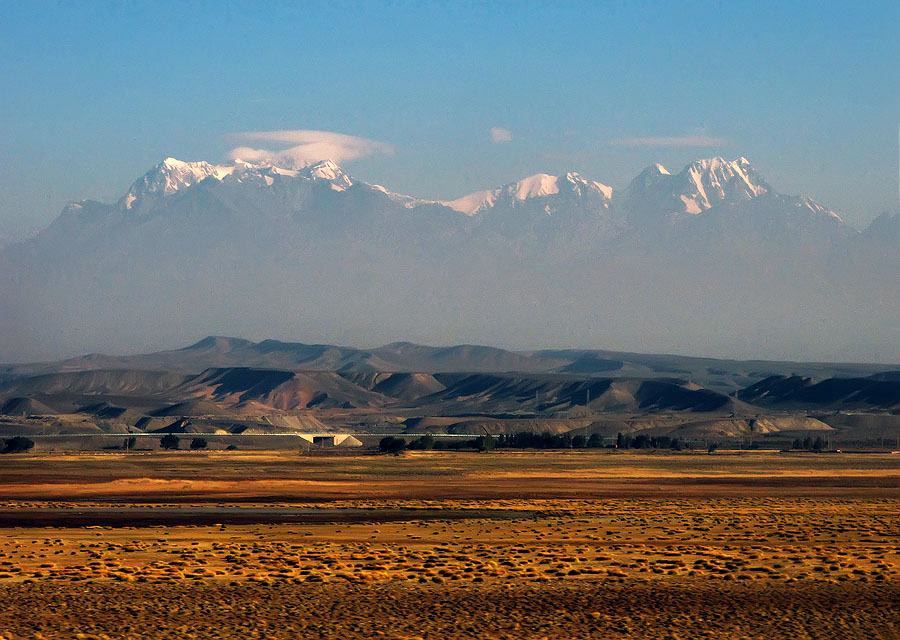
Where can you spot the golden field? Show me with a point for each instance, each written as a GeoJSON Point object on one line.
{"type": "Point", "coordinates": [590, 544]}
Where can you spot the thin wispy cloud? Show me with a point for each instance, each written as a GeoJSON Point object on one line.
{"type": "Point", "coordinates": [499, 134]}
{"type": "Point", "coordinates": [302, 147]}
{"type": "Point", "coordinates": [672, 141]}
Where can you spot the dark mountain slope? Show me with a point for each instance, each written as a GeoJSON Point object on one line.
{"type": "Point", "coordinates": [873, 393]}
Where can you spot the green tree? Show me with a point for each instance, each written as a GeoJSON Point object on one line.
{"type": "Point", "coordinates": [17, 444]}
{"type": "Point", "coordinates": [712, 447]}
{"type": "Point", "coordinates": [198, 443]}
{"type": "Point", "coordinates": [391, 444]}
{"type": "Point", "coordinates": [169, 441]}
{"type": "Point", "coordinates": [486, 443]}
{"type": "Point", "coordinates": [642, 441]}
{"type": "Point", "coordinates": [423, 443]}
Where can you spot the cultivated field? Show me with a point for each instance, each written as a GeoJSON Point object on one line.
{"type": "Point", "coordinates": [577, 544]}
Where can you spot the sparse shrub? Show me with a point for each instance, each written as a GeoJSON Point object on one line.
{"type": "Point", "coordinates": [169, 441]}
{"type": "Point", "coordinates": [391, 444]}
{"type": "Point", "coordinates": [17, 444]}
{"type": "Point", "coordinates": [198, 443]}
{"type": "Point", "coordinates": [231, 447]}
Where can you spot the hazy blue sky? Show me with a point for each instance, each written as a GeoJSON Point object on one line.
{"type": "Point", "coordinates": [92, 94]}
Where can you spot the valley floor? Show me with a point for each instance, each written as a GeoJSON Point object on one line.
{"type": "Point", "coordinates": [582, 544]}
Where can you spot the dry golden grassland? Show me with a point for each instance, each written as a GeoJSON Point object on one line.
{"type": "Point", "coordinates": [655, 546]}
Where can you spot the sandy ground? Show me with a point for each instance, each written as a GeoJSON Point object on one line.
{"type": "Point", "coordinates": [264, 477]}
{"type": "Point", "coordinates": [724, 546]}
{"type": "Point", "coordinates": [563, 612]}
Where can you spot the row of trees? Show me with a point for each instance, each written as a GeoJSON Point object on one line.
{"type": "Point", "coordinates": [808, 444]}
{"type": "Point", "coordinates": [171, 441]}
{"type": "Point", "coordinates": [20, 444]}
{"type": "Point", "coordinates": [533, 440]}
{"type": "Point", "coordinates": [643, 441]}
{"type": "Point", "coordinates": [545, 440]}
{"type": "Point", "coordinates": [393, 444]}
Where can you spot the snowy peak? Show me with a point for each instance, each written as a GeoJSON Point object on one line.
{"type": "Point", "coordinates": [540, 185]}
{"type": "Point", "coordinates": [267, 174]}
{"type": "Point", "coordinates": [172, 176]}
{"type": "Point", "coordinates": [701, 185]}
{"type": "Point", "coordinates": [328, 170]}
{"type": "Point", "coordinates": [706, 183]}
{"type": "Point", "coordinates": [581, 186]}
{"type": "Point", "coordinates": [651, 174]}
{"type": "Point", "coordinates": [473, 203]}
{"type": "Point", "coordinates": [534, 186]}
{"type": "Point", "coordinates": [810, 207]}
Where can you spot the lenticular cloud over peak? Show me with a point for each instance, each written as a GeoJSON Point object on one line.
{"type": "Point", "coordinates": [301, 147]}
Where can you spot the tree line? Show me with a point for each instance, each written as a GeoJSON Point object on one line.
{"type": "Point", "coordinates": [531, 440]}
{"type": "Point", "coordinates": [808, 444]}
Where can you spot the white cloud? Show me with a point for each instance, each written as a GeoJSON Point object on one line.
{"type": "Point", "coordinates": [499, 134]}
{"type": "Point", "coordinates": [301, 147]}
{"type": "Point", "coordinates": [672, 141]}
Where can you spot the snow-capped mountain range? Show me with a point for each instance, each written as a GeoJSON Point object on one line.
{"type": "Point", "coordinates": [700, 186]}
{"type": "Point", "coordinates": [710, 260]}
{"type": "Point", "coordinates": [656, 196]}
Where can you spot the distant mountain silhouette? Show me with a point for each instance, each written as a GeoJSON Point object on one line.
{"type": "Point", "coordinates": [710, 259]}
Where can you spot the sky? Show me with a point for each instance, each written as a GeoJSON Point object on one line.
{"type": "Point", "coordinates": [440, 99]}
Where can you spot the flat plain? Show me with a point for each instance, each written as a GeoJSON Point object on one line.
{"type": "Point", "coordinates": [548, 544]}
